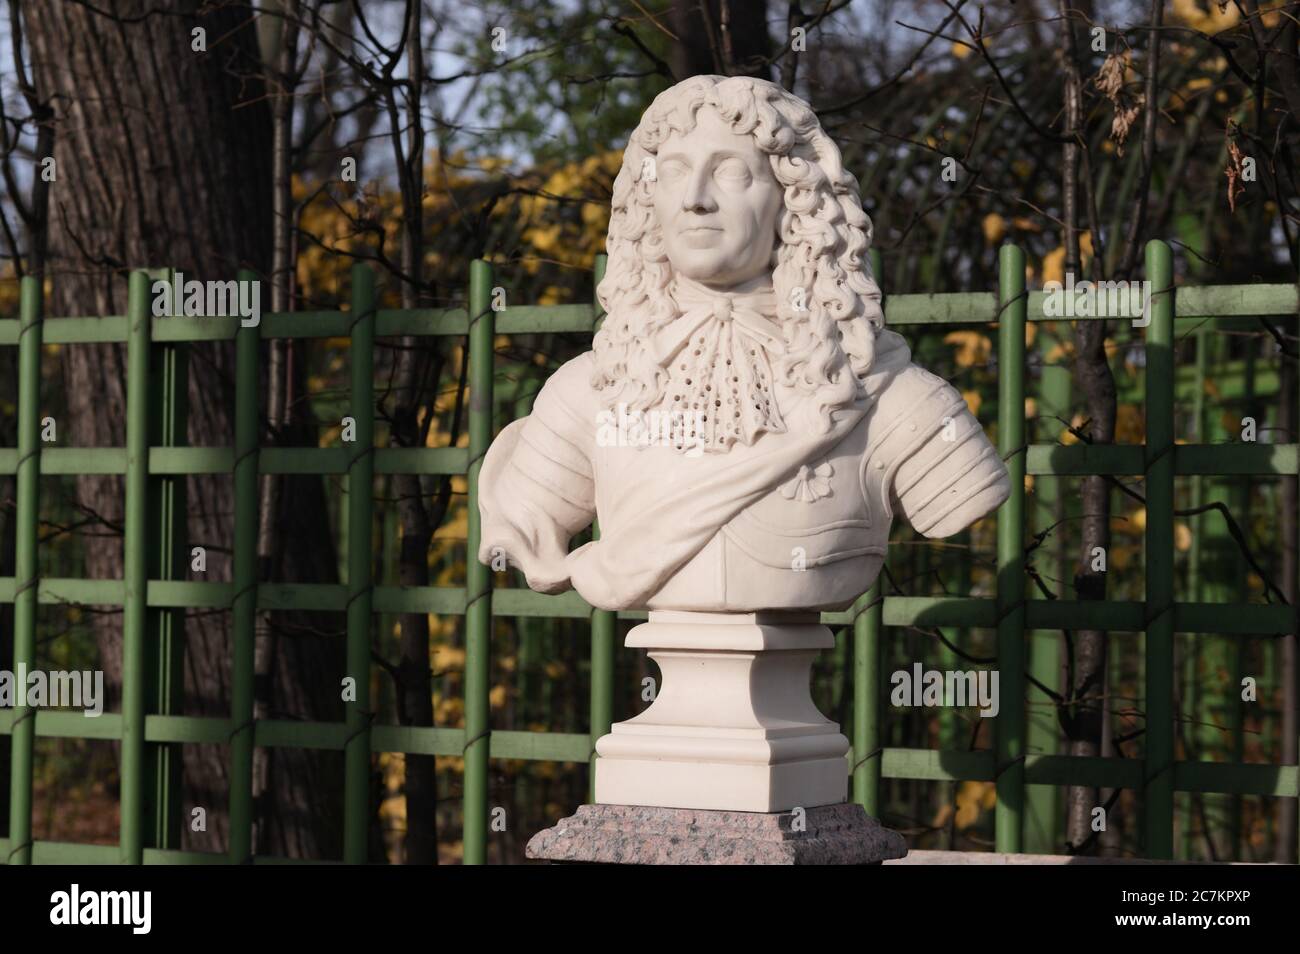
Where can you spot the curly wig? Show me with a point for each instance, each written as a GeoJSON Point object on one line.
{"type": "Point", "coordinates": [828, 304]}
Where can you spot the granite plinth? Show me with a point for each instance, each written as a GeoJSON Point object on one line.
{"type": "Point", "coordinates": [842, 834]}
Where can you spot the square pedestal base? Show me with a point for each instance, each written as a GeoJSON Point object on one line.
{"type": "Point", "coordinates": [738, 787]}
{"type": "Point", "coordinates": [840, 834]}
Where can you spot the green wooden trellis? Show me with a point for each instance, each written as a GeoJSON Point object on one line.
{"type": "Point", "coordinates": [154, 592]}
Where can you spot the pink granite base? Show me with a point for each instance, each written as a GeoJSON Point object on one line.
{"type": "Point", "coordinates": [633, 835]}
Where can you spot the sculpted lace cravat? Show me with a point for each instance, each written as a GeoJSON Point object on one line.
{"type": "Point", "coordinates": [718, 354]}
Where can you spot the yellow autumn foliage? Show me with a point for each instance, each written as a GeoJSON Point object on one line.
{"type": "Point", "coordinates": [1206, 15]}
{"type": "Point", "coordinates": [973, 347]}
{"type": "Point", "coordinates": [1054, 261]}
{"type": "Point", "coordinates": [570, 240]}
{"type": "Point", "coordinates": [995, 227]}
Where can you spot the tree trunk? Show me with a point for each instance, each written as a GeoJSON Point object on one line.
{"type": "Point", "coordinates": [418, 371]}
{"type": "Point", "coordinates": [162, 156]}
{"type": "Point", "coordinates": [731, 40]}
{"type": "Point", "coordinates": [1082, 717]}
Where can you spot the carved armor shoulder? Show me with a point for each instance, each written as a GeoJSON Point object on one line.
{"type": "Point", "coordinates": [928, 456]}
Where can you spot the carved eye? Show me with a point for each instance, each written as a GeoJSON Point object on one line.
{"type": "Point", "coordinates": [732, 170]}
{"type": "Point", "coordinates": [672, 169]}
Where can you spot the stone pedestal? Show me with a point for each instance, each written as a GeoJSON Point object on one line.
{"type": "Point", "coordinates": [731, 764]}
{"type": "Point", "coordinates": [733, 727]}
{"type": "Point", "coordinates": [630, 835]}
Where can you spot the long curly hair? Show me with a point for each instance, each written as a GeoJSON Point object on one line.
{"type": "Point", "coordinates": [828, 304]}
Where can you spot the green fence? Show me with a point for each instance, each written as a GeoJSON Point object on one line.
{"type": "Point", "coordinates": [155, 592]}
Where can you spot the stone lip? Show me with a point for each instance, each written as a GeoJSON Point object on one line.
{"type": "Point", "coordinates": [840, 834]}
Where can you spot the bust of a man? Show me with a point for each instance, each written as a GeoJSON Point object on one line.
{"type": "Point", "coordinates": [744, 428]}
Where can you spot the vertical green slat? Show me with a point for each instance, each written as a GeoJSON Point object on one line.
{"type": "Point", "coordinates": [603, 644]}
{"type": "Point", "coordinates": [1295, 637]}
{"type": "Point", "coordinates": [244, 604]}
{"type": "Point", "coordinates": [1196, 590]}
{"type": "Point", "coordinates": [168, 559]}
{"type": "Point", "coordinates": [1010, 727]}
{"type": "Point", "coordinates": [361, 474]}
{"type": "Point", "coordinates": [1159, 793]}
{"type": "Point", "coordinates": [1043, 815]}
{"type": "Point", "coordinates": [135, 569]}
{"type": "Point", "coordinates": [478, 576]}
{"type": "Point", "coordinates": [26, 568]}
{"type": "Point", "coordinates": [867, 619]}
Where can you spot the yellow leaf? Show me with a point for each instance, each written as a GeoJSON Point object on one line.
{"type": "Point", "coordinates": [1139, 519]}
{"type": "Point", "coordinates": [1054, 265]}
{"type": "Point", "coordinates": [1206, 16]}
{"type": "Point", "coordinates": [1182, 537]}
{"type": "Point", "coordinates": [973, 347]}
{"type": "Point", "coordinates": [972, 798]}
{"type": "Point", "coordinates": [1130, 424]}
{"type": "Point", "coordinates": [973, 399]}
{"type": "Point", "coordinates": [1067, 435]}
{"type": "Point", "coordinates": [995, 227]}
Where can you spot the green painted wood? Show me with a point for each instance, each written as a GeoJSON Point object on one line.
{"type": "Point", "coordinates": [866, 768]}
{"type": "Point", "coordinates": [1222, 302]}
{"type": "Point", "coordinates": [1009, 728]}
{"type": "Point", "coordinates": [930, 611]}
{"type": "Point", "coordinates": [478, 576]}
{"type": "Point", "coordinates": [551, 319]}
{"type": "Point", "coordinates": [244, 596]}
{"type": "Point", "coordinates": [1074, 460]}
{"type": "Point", "coordinates": [1043, 806]}
{"type": "Point", "coordinates": [135, 572]}
{"type": "Point", "coordinates": [1158, 796]}
{"type": "Point", "coordinates": [359, 606]}
{"type": "Point", "coordinates": [168, 559]}
{"type": "Point", "coordinates": [866, 616]}
{"type": "Point", "coordinates": [26, 567]}
{"type": "Point", "coordinates": [1127, 460]}
{"type": "Point", "coordinates": [66, 724]}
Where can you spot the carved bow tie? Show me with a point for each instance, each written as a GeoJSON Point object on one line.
{"type": "Point", "coordinates": [717, 354]}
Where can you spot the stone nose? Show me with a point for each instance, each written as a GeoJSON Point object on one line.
{"type": "Point", "coordinates": [697, 197]}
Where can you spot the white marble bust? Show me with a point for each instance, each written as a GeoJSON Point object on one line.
{"type": "Point", "coordinates": [744, 427]}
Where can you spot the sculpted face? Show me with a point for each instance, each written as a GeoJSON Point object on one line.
{"type": "Point", "coordinates": [717, 203]}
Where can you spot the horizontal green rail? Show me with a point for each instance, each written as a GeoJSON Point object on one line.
{"type": "Point", "coordinates": [1245, 619]}
{"type": "Point", "coordinates": [924, 764]}
{"type": "Point", "coordinates": [182, 461]}
{"type": "Point", "coordinates": [1055, 460]}
{"type": "Point", "coordinates": [1219, 301]}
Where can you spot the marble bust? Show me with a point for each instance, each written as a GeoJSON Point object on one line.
{"type": "Point", "coordinates": [744, 428]}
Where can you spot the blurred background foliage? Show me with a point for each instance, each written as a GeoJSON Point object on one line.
{"type": "Point", "coordinates": [524, 137]}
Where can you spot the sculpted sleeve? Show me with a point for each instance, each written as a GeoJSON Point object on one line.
{"type": "Point", "coordinates": [535, 488]}
{"type": "Point", "coordinates": [934, 462]}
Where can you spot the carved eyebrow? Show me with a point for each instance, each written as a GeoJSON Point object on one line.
{"type": "Point", "coordinates": [715, 155]}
